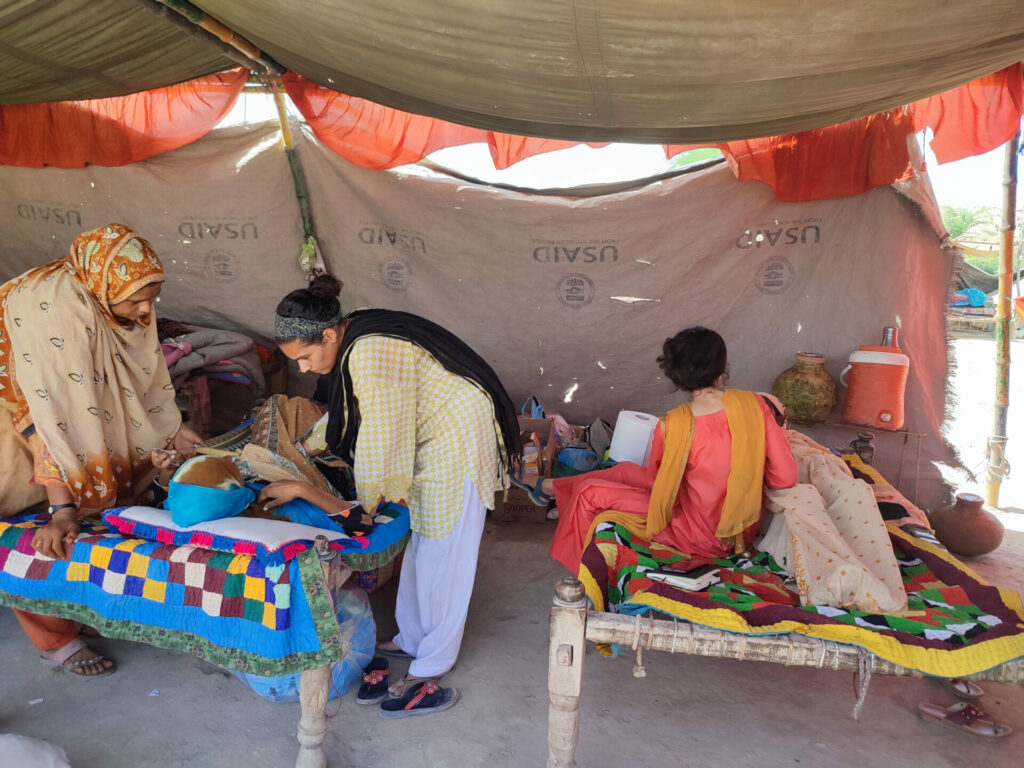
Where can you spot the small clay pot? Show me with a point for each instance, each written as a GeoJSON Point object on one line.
{"type": "Point", "coordinates": [806, 389]}
{"type": "Point", "coordinates": [966, 527]}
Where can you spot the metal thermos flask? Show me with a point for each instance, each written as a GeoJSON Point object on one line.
{"type": "Point", "coordinates": [889, 336]}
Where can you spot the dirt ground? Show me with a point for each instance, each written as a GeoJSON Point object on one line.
{"type": "Point", "coordinates": [686, 712]}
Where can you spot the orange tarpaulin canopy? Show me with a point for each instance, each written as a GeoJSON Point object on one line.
{"type": "Point", "coordinates": [117, 130]}
{"type": "Point", "coordinates": [844, 159]}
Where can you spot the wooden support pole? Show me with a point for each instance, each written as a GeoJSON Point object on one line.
{"type": "Point", "coordinates": [225, 34]}
{"type": "Point", "coordinates": [565, 671]}
{"type": "Point", "coordinates": [298, 177]}
{"type": "Point", "coordinates": [190, 29]}
{"type": "Point", "coordinates": [996, 450]}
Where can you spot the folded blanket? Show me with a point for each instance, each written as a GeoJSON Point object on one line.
{"type": "Point", "coordinates": [220, 351]}
{"type": "Point", "coordinates": [955, 624]}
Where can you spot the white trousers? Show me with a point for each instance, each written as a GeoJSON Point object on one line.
{"type": "Point", "coordinates": [434, 590]}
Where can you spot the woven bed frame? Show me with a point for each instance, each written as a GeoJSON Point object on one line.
{"type": "Point", "coordinates": [572, 624]}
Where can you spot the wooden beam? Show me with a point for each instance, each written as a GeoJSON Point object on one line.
{"type": "Point", "coordinates": [996, 450]}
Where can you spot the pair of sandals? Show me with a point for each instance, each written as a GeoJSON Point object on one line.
{"type": "Point", "coordinates": [416, 696]}
{"type": "Point", "coordinates": [965, 715]}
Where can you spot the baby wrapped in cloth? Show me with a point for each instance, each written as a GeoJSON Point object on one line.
{"type": "Point", "coordinates": [208, 488]}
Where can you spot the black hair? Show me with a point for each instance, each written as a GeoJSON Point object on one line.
{"type": "Point", "coordinates": [319, 303]}
{"type": "Point", "coordinates": [694, 358]}
{"type": "Point", "coordinates": [779, 416]}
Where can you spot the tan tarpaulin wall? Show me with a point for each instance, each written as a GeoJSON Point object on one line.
{"type": "Point", "coordinates": [675, 72]}
{"type": "Point", "coordinates": [528, 280]}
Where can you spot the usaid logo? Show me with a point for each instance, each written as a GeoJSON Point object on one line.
{"type": "Point", "coordinates": [774, 275]}
{"type": "Point", "coordinates": [221, 265]}
{"type": "Point", "coordinates": [218, 230]}
{"type": "Point", "coordinates": [47, 213]}
{"type": "Point", "coordinates": [396, 275]}
{"type": "Point", "coordinates": [575, 290]}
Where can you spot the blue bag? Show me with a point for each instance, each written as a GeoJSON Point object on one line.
{"type": "Point", "coordinates": [354, 618]}
{"type": "Point", "coordinates": [578, 459]}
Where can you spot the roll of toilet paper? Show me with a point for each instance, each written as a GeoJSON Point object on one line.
{"type": "Point", "coordinates": [631, 440]}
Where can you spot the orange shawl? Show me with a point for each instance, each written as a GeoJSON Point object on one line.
{"type": "Point", "coordinates": [97, 392]}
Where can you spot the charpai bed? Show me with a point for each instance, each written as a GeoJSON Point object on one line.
{"type": "Point", "coordinates": [955, 625]}
{"type": "Point", "coordinates": [260, 605]}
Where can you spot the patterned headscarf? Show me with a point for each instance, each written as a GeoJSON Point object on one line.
{"type": "Point", "coordinates": [113, 263]}
{"type": "Point", "coordinates": [97, 391]}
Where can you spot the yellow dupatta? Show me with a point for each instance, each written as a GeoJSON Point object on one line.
{"type": "Point", "coordinates": [742, 505]}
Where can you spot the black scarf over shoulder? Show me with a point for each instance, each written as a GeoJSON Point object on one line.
{"type": "Point", "coordinates": [451, 352]}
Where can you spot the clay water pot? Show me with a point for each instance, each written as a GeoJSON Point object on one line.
{"type": "Point", "coordinates": [966, 527]}
{"type": "Point", "coordinates": [806, 389]}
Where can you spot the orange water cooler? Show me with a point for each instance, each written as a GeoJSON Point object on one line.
{"type": "Point", "coordinates": [876, 384]}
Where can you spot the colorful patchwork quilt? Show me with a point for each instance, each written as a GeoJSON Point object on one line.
{"type": "Point", "coordinates": [955, 624]}
{"type": "Point", "coordinates": [229, 608]}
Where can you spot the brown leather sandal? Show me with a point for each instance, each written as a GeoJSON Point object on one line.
{"type": "Point", "coordinates": [964, 716]}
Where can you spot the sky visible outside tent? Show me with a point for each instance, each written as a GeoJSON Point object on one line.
{"type": "Point", "coordinates": [969, 183]}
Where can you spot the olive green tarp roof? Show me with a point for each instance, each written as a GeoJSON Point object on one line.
{"type": "Point", "coordinates": [646, 70]}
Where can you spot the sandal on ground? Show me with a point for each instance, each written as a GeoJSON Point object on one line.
{"type": "Point", "coordinates": [423, 698]}
{"type": "Point", "coordinates": [61, 657]}
{"type": "Point", "coordinates": [964, 716]}
{"type": "Point", "coordinates": [962, 689]}
{"type": "Point", "coordinates": [394, 653]}
{"type": "Point", "coordinates": [408, 681]}
{"type": "Point", "coordinates": [537, 495]}
{"type": "Point", "coordinates": [375, 682]}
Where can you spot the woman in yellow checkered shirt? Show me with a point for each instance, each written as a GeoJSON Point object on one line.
{"type": "Point", "coordinates": [423, 420]}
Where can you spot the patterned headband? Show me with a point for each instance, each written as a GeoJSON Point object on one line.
{"type": "Point", "coordinates": [300, 328]}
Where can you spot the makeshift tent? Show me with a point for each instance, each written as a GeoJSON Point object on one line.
{"type": "Point", "coordinates": [639, 80]}
{"type": "Point", "coordinates": [583, 289]}
{"type": "Point", "coordinates": [569, 299]}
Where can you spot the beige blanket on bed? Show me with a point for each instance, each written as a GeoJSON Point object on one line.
{"type": "Point", "coordinates": [828, 533]}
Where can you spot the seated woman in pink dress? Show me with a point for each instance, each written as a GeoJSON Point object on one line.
{"type": "Point", "coordinates": [701, 492]}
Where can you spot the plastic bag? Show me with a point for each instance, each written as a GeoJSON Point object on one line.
{"type": "Point", "coordinates": [599, 436]}
{"type": "Point", "coordinates": [355, 621]}
{"type": "Point", "coordinates": [578, 459]}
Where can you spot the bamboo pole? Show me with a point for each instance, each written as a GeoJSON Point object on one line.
{"type": "Point", "coordinates": [995, 453]}
{"type": "Point", "coordinates": [200, 18]}
{"type": "Point", "coordinates": [190, 29]}
{"type": "Point", "coordinates": [299, 179]}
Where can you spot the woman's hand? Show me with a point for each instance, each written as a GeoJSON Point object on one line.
{"type": "Point", "coordinates": [164, 460]}
{"type": "Point", "coordinates": [282, 491]}
{"type": "Point", "coordinates": [56, 539]}
{"type": "Point", "coordinates": [185, 441]}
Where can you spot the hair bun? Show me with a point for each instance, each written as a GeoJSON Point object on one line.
{"type": "Point", "coordinates": [325, 286]}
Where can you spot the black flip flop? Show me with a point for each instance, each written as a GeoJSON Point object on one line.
{"type": "Point", "coordinates": [375, 682]}
{"type": "Point", "coordinates": [420, 699]}
{"type": "Point", "coordinates": [396, 654]}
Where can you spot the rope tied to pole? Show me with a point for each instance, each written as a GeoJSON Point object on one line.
{"type": "Point", "coordinates": [862, 679]}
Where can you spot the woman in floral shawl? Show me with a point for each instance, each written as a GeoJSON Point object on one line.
{"type": "Point", "coordinates": [82, 378]}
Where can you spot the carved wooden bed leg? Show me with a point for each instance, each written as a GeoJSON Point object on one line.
{"type": "Point", "coordinates": [565, 671]}
{"type": "Point", "coordinates": [314, 689]}
{"type": "Point", "coordinates": [313, 692]}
